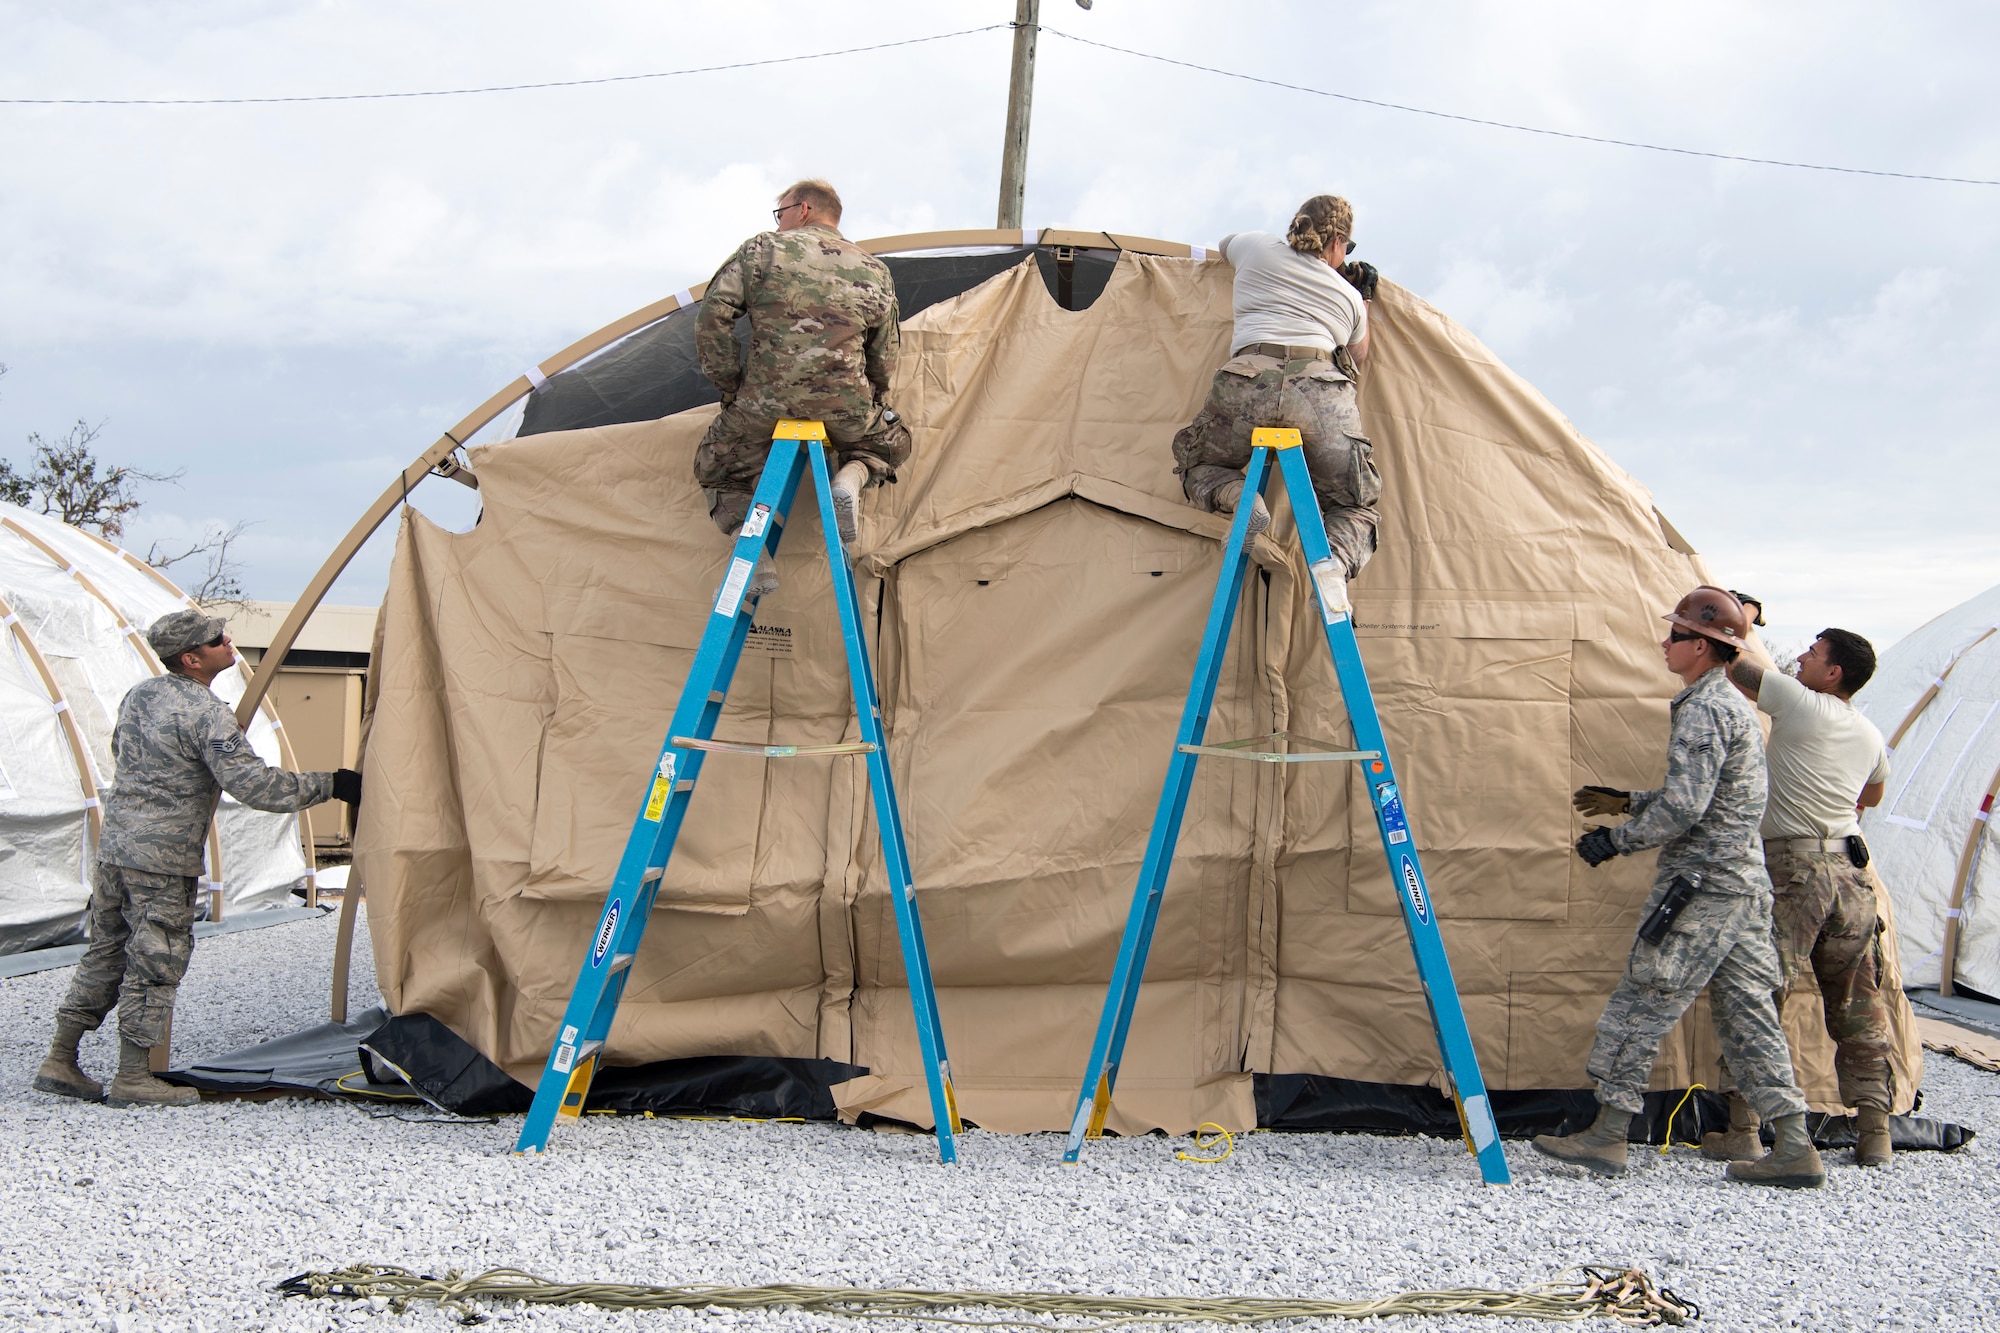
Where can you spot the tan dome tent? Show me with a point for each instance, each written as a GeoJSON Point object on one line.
{"type": "Point", "coordinates": [1936, 695]}
{"type": "Point", "coordinates": [75, 610]}
{"type": "Point", "coordinates": [1038, 588]}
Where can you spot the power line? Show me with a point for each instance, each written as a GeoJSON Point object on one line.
{"type": "Point", "coordinates": [1506, 125]}
{"type": "Point", "coordinates": [496, 88]}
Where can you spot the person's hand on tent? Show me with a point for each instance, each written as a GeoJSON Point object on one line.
{"type": "Point", "coordinates": [1601, 801]}
{"type": "Point", "coordinates": [347, 787]}
{"type": "Point", "coordinates": [1361, 276]}
{"type": "Point", "coordinates": [1596, 847]}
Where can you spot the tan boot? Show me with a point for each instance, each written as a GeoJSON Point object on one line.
{"type": "Point", "coordinates": [59, 1072]}
{"type": "Point", "coordinates": [1872, 1148]}
{"type": "Point", "coordinates": [764, 579]}
{"type": "Point", "coordinates": [1599, 1149]}
{"type": "Point", "coordinates": [1231, 494]}
{"type": "Point", "coordinates": [848, 483]}
{"type": "Point", "coordinates": [136, 1086]}
{"type": "Point", "coordinates": [1792, 1163]}
{"type": "Point", "coordinates": [1740, 1142]}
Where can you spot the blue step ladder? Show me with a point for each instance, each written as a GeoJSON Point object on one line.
{"type": "Point", "coordinates": [1461, 1064]}
{"type": "Point", "coordinates": [573, 1059]}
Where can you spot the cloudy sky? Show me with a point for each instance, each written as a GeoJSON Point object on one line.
{"type": "Point", "coordinates": [291, 301]}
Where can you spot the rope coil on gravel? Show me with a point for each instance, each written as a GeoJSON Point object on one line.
{"type": "Point", "coordinates": [1626, 1295]}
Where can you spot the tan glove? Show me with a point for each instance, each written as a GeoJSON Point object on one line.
{"type": "Point", "coordinates": [1601, 800]}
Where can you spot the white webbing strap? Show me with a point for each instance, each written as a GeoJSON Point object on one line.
{"type": "Point", "coordinates": [536, 379]}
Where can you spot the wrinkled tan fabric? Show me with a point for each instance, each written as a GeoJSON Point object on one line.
{"type": "Point", "coordinates": [1038, 588]}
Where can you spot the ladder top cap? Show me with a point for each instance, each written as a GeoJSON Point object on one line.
{"type": "Point", "coordinates": [1275, 437]}
{"type": "Point", "coordinates": [809, 430]}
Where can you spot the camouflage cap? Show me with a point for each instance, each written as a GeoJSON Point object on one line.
{"type": "Point", "coordinates": [173, 634]}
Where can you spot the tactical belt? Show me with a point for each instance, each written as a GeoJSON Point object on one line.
{"type": "Point", "coordinates": [1284, 353]}
{"type": "Point", "coordinates": [1797, 846]}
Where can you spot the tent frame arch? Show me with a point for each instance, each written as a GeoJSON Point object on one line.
{"type": "Point", "coordinates": [440, 460]}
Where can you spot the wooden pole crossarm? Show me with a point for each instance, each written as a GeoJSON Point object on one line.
{"type": "Point", "coordinates": [1961, 882]}
{"type": "Point", "coordinates": [1931, 691]}
{"type": "Point", "coordinates": [86, 772]}
{"type": "Point", "coordinates": [431, 462]}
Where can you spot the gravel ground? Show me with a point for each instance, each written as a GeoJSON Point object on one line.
{"type": "Point", "coordinates": [154, 1220]}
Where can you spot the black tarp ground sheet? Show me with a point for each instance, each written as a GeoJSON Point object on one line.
{"type": "Point", "coordinates": [377, 1057]}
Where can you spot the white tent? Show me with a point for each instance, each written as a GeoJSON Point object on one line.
{"type": "Point", "coordinates": [1936, 697]}
{"type": "Point", "coordinates": [74, 616]}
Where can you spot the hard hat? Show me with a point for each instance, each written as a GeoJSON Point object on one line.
{"type": "Point", "coordinates": [1713, 613]}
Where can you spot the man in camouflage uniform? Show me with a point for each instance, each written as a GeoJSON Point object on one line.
{"type": "Point", "coordinates": [177, 747]}
{"type": "Point", "coordinates": [823, 345]}
{"type": "Point", "coordinates": [1705, 821]}
{"type": "Point", "coordinates": [1826, 759]}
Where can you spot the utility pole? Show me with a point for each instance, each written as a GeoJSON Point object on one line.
{"type": "Point", "coordinates": [1020, 96]}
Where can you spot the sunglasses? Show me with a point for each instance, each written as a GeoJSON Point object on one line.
{"type": "Point", "coordinates": [216, 642]}
{"type": "Point", "coordinates": [1683, 636]}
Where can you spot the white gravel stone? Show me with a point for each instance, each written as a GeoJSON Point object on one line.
{"type": "Point", "coordinates": [153, 1220]}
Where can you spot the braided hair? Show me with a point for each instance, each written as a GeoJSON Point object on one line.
{"type": "Point", "coordinates": [1320, 221]}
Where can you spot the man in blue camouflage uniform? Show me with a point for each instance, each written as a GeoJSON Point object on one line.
{"type": "Point", "coordinates": [824, 340]}
{"type": "Point", "coordinates": [1705, 820]}
{"type": "Point", "coordinates": [177, 748]}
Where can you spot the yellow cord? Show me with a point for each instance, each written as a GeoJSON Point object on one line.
{"type": "Point", "coordinates": [341, 1083]}
{"type": "Point", "coordinates": [1221, 1136]}
{"type": "Point", "coordinates": [1693, 1088]}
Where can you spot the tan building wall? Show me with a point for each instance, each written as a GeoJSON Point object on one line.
{"type": "Point", "coordinates": [317, 691]}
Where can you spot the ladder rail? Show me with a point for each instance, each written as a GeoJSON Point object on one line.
{"type": "Point", "coordinates": [663, 802]}
{"type": "Point", "coordinates": [1114, 1025]}
{"type": "Point", "coordinates": [889, 824]}
{"type": "Point", "coordinates": [1464, 1080]}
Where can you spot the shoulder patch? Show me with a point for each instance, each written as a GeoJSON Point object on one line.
{"type": "Point", "coordinates": [229, 745]}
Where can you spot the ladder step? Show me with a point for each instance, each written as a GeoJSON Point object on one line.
{"type": "Point", "coordinates": [568, 1058]}
{"type": "Point", "coordinates": [1241, 749]}
{"type": "Point", "coordinates": [1275, 757]}
{"type": "Point", "coordinates": [619, 962]}
{"type": "Point", "coordinates": [769, 751]}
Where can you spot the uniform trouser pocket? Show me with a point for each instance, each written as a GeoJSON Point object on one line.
{"type": "Point", "coordinates": [160, 910]}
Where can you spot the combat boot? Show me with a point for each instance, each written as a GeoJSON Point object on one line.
{"type": "Point", "coordinates": [136, 1086]}
{"type": "Point", "coordinates": [1600, 1149]}
{"type": "Point", "coordinates": [1872, 1147]}
{"type": "Point", "coordinates": [1792, 1163]}
{"type": "Point", "coordinates": [59, 1072]}
{"type": "Point", "coordinates": [1231, 494]}
{"type": "Point", "coordinates": [848, 483]}
{"type": "Point", "coordinates": [764, 581]}
{"type": "Point", "coordinates": [1740, 1142]}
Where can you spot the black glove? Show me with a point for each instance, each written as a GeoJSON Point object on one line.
{"type": "Point", "coordinates": [347, 786]}
{"type": "Point", "coordinates": [1601, 800]}
{"type": "Point", "coordinates": [1361, 276]}
{"type": "Point", "coordinates": [1595, 846]}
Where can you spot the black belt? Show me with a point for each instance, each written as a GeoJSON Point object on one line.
{"type": "Point", "coordinates": [1284, 353]}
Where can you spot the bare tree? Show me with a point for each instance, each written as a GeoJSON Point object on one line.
{"type": "Point", "coordinates": [64, 477]}
{"type": "Point", "coordinates": [221, 572]}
